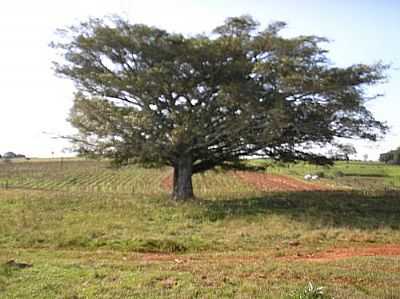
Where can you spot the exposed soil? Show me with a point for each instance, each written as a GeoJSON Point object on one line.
{"type": "Point", "coordinates": [265, 182]}
{"type": "Point", "coordinates": [167, 182]}
{"type": "Point", "coordinates": [343, 253]}
{"type": "Point", "coordinates": [278, 183]}
{"type": "Point", "coordinates": [324, 256]}
{"type": "Point", "coordinates": [328, 255]}
{"type": "Point", "coordinates": [170, 257]}
{"type": "Point", "coordinates": [158, 257]}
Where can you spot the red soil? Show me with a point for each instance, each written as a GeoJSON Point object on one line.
{"type": "Point", "coordinates": [329, 255]}
{"type": "Point", "coordinates": [265, 182]}
{"type": "Point", "coordinates": [274, 182]}
{"type": "Point", "coordinates": [343, 253]}
{"type": "Point", "coordinates": [158, 257]}
{"type": "Point", "coordinates": [167, 182]}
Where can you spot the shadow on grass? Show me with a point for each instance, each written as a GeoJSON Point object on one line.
{"type": "Point", "coordinates": [366, 175]}
{"type": "Point", "coordinates": [353, 209]}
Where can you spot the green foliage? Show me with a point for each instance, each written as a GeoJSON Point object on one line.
{"type": "Point", "coordinates": [311, 292]}
{"type": "Point", "coordinates": [146, 95]}
{"type": "Point", "coordinates": [166, 246]}
{"type": "Point", "coordinates": [344, 152]}
{"type": "Point", "coordinates": [391, 157]}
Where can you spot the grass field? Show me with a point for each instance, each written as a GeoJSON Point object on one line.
{"type": "Point", "coordinates": [360, 175]}
{"type": "Point", "coordinates": [87, 230]}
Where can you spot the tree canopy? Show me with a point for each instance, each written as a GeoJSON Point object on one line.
{"type": "Point", "coordinates": [194, 102]}
{"type": "Point", "coordinates": [391, 157]}
{"type": "Point", "coordinates": [346, 150]}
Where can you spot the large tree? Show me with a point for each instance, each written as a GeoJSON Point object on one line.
{"type": "Point", "coordinates": [195, 102]}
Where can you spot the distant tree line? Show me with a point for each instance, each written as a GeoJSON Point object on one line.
{"type": "Point", "coordinates": [12, 155]}
{"type": "Point", "coordinates": [342, 152]}
{"type": "Point", "coordinates": [391, 157]}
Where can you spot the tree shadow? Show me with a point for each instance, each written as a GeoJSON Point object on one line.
{"type": "Point", "coordinates": [354, 209]}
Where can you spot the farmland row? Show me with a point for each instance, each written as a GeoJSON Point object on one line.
{"type": "Point", "coordinates": [80, 176]}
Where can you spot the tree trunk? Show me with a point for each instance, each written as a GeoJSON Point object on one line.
{"type": "Point", "coordinates": [183, 188]}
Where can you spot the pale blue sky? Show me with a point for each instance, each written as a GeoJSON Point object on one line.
{"type": "Point", "coordinates": [34, 101]}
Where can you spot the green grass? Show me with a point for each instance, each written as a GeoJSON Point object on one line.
{"type": "Point", "coordinates": [354, 174]}
{"type": "Point", "coordinates": [91, 231]}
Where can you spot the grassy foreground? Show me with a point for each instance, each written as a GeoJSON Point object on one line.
{"type": "Point", "coordinates": [89, 231]}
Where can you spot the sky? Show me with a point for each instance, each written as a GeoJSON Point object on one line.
{"type": "Point", "coordinates": [34, 103]}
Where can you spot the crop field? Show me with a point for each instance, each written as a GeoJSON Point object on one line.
{"type": "Point", "coordinates": [83, 229]}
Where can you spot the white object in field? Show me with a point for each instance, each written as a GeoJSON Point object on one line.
{"type": "Point", "coordinates": [308, 177]}
{"type": "Point", "coordinates": [314, 177]}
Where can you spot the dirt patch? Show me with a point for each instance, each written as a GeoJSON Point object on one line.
{"type": "Point", "coordinates": [264, 182]}
{"type": "Point", "coordinates": [344, 253]}
{"type": "Point", "coordinates": [278, 183]}
{"type": "Point", "coordinates": [202, 258]}
{"type": "Point", "coordinates": [328, 255]}
{"type": "Point", "coordinates": [167, 182]}
{"type": "Point", "coordinates": [155, 257]}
